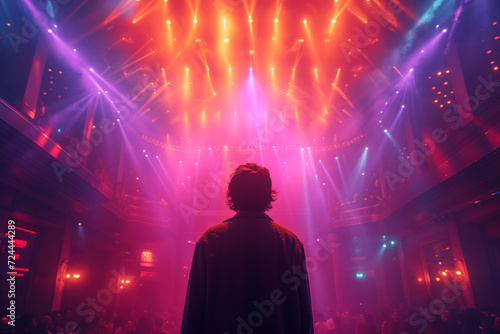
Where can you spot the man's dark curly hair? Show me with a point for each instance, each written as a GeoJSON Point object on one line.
{"type": "Point", "coordinates": [250, 188]}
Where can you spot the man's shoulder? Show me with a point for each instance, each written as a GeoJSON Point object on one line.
{"type": "Point", "coordinates": [213, 232]}
{"type": "Point", "coordinates": [285, 232]}
{"type": "Point", "coordinates": [216, 231]}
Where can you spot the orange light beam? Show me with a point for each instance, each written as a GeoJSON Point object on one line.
{"type": "Point", "coordinates": [147, 11]}
{"type": "Point", "coordinates": [394, 67]}
{"type": "Point", "coordinates": [358, 15]}
{"type": "Point", "coordinates": [341, 93]}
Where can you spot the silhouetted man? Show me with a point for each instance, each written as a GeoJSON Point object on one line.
{"type": "Point", "coordinates": [248, 273]}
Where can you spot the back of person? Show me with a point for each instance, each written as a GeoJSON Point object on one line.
{"type": "Point", "coordinates": [248, 276]}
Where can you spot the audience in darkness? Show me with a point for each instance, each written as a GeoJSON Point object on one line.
{"type": "Point", "coordinates": [363, 321]}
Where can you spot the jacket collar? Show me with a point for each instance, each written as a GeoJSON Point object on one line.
{"type": "Point", "coordinates": [249, 214]}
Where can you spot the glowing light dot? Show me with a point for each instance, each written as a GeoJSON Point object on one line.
{"type": "Point", "coordinates": [251, 52]}
{"type": "Point", "coordinates": [315, 70]}
{"type": "Point", "coordinates": [385, 130]}
{"type": "Point", "coordinates": [226, 40]}
{"type": "Point", "coordinates": [209, 148]}
{"type": "Point", "coordinates": [304, 21]}
{"type": "Point", "coordinates": [195, 20]}
{"type": "Point", "coordinates": [74, 50]}
{"type": "Point", "coordinates": [187, 68]}
{"type": "Point", "coordinates": [224, 20]}
{"type": "Point", "coordinates": [272, 68]}
{"type": "Point", "coordinates": [168, 22]}
{"type": "Point", "coordinates": [495, 68]}
{"type": "Point", "coordinates": [445, 30]}
{"type": "Point", "coordinates": [230, 69]}
{"type": "Point", "coordinates": [251, 69]}
{"type": "Point", "coordinates": [180, 161]}
{"type": "Point", "coordinates": [275, 20]}
{"type": "Point", "coordinates": [49, 30]}
{"type": "Point", "coordinates": [333, 21]}
{"type": "Point", "coordinates": [459, 273]}
{"type": "Point", "coordinates": [411, 69]}
{"type": "Point", "coordinates": [250, 19]}
{"type": "Point", "coordinates": [439, 73]}
{"type": "Point", "coordinates": [91, 69]}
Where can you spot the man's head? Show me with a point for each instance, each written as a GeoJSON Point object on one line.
{"type": "Point", "coordinates": [250, 188]}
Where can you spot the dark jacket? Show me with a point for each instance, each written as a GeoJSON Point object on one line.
{"type": "Point", "coordinates": [248, 276]}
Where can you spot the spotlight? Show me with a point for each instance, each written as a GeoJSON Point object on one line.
{"type": "Point", "coordinates": [392, 242]}
{"type": "Point", "coordinates": [336, 158]}
{"type": "Point", "coordinates": [333, 21]}
{"type": "Point", "coordinates": [49, 30]}
{"type": "Point", "coordinates": [187, 68]}
{"type": "Point", "coordinates": [224, 20]}
{"type": "Point", "coordinates": [251, 69]}
{"type": "Point", "coordinates": [275, 20]}
{"type": "Point", "coordinates": [91, 69]}
{"type": "Point", "coordinates": [315, 70]}
{"type": "Point", "coordinates": [250, 19]}
{"type": "Point", "coordinates": [385, 130]}
{"type": "Point", "coordinates": [272, 68]}
{"type": "Point", "coordinates": [230, 69]}
{"type": "Point", "coordinates": [445, 30]}
{"type": "Point", "coordinates": [304, 21]}
{"type": "Point", "coordinates": [168, 22]}
{"type": "Point", "coordinates": [384, 245]}
{"type": "Point", "coordinates": [411, 69]}
{"type": "Point", "coordinates": [195, 20]}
